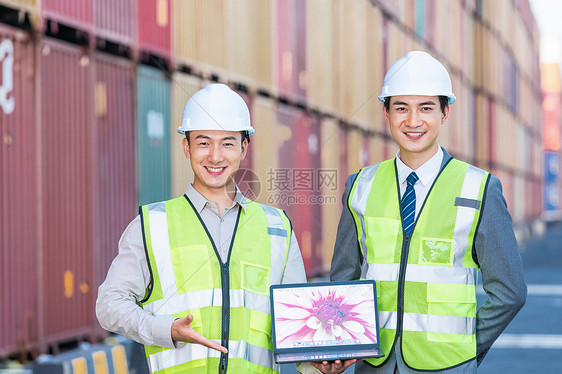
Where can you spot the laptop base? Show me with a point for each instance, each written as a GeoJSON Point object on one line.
{"type": "Point", "coordinates": [284, 358]}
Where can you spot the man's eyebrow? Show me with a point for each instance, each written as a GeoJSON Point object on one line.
{"type": "Point", "coordinates": [202, 137]}
{"type": "Point", "coordinates": [427, 103]}
{"type": "Point", "coordinates": [231, 137]}
{"type": "Point", "coordinates": [400, 103]}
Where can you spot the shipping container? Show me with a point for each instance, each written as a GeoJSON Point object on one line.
{"type": "Point", "coordinates": [295, 182]}
{"type": "Point", "coordinates": [75, 14]}
{"type": "Point", "coordinates": [183, 87]}
{"type": "Point", "coordinates": [331, 188]}
{"type": "Point", "coordinates": [199, 33]}
{"type": "Point", "coordinates": [269, 138]}
{"type": "Point", "coordinates": [116, 21]}
{"type": "Point", "coordinates": [153, 135]}
{"type": "Point", "coordinates": [66, 145]}
{"type": "Point", "coordinates": [29, 7]}
{"type": "Point", "coordinates": [153, 27]}
{"type": "Point", "coordinates": [290, 55]}
{"type": "Point", "coordinates": [250, 44]}
{"type": "Point", "coordinates": [321, 53]}
{"type": "Point", "coordinates": [18, 194]}
{"type": "Point", "coordinates": [114, 177]}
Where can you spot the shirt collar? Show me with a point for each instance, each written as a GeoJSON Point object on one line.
{"type": "Point", "coordinates": [425, 173]}
{"type": "Point", "coordinates": [199, 201]}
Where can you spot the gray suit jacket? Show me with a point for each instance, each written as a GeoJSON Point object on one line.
{"type": "Point", "coordinates": [495, 250]}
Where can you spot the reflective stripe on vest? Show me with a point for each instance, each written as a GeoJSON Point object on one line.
{"type": "Point", "coordinates": [439, 305]}
{"type": "Point", "coordinates": [186, 277]}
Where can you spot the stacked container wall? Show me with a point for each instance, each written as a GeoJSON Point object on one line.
{"type": "Point", "coordinates": [153, 135]}
{"type": "Point", "coordinates": [291, 49]}
{"type": "Point", "coordinates": [250, 43]}
{"type": "Point", "coordinates": [270, 137]}
{"type": "Point", "coordinates": [331, 188]}
{"type": "Point", "coordinates": [295, 182]}
{"type": "Point", "coordinates": [153, 27]}
{"type": "Point", "coordinates": [321, 54]}
{"type": "Point", "coordinates": [66, 142]}
{"type": "Point", "coordinates": [76, 14]}
{"type": "Point", "coordinates": [18, 194]}
{"type": "Point", "coordinates": [183, 87]}
{"type": "Point", "coordinates": [116, 20]}
{"type": "Point", "coordinates": [114, 174]}
{"type": "Point", "coordinates": [31, 7]}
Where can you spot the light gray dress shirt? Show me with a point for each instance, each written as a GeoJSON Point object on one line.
{"type": "Point", "coordinates": [117, 306]}
{"type": "Point", "coordinates": [495, 250]}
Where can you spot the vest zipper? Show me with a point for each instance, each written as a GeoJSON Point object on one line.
{"type": "Point", "coordinates": [225, 315]}
{"type": "Point", "coordinates": [401, 277]}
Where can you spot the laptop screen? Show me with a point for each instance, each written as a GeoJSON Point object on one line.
{"type": "Point", "coordinates": [317, 315]}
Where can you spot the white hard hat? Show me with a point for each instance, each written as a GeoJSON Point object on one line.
{"type": "Point", "coordinates": [216, 107]}
{"type": "Point", "coordinates": [417, 73]}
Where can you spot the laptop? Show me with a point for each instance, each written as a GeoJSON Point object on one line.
{"type": "Point", "coordinates": [325, 321]}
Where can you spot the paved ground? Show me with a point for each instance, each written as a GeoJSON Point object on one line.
{"type": "Point", "coordinates": [532, 343]}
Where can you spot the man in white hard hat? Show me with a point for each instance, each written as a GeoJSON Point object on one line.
{"type": "Point", "coordinates": [191, 280]}
{"type": "Point", "coordinates": [422, 225]}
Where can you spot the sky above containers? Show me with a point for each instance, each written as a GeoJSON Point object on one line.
{"type": "Point", "coordinates": [547, 14]}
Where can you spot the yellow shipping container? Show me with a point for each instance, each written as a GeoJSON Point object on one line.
{"type": "Point", "coordinates": [320, 54]}
{"type": "Point", "coordinates": [183, 87]}
{"type": "Point", "coordinates": [25, 6]}
{"type": "Point", "coordinates": [266, 144]}
{"type": "Point", "coordinates": [250, 42]}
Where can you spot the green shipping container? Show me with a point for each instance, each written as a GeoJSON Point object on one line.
{"type": "Point", "coordinates": [153, 135]}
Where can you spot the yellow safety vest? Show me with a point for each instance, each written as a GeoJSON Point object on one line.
{"type": "Point", "coordinates": [229, 301]}
{"type": "Point", "coordinates": [426, 281]}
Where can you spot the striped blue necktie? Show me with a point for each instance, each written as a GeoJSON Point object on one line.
{"type": "Point", "coordinates": [408, 203]}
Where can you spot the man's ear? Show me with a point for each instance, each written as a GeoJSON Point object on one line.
{"type": "Point", "coordinates": [244, 148]}
{"type": "Point", "coordinates": [445, 114]}
{"type": "Point", "coordinates": [185, 145]}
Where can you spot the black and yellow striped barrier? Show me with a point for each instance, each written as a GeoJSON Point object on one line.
{"type": "Point", "coordinates": [95, 359]}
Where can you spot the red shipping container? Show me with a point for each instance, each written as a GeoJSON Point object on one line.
{"type": "Point", "coordinates": [66, 133]}
{"type": "Point", "coordinates": [18, 166]}
{"type": "Point", "coordinates": [154, 27]}
{"type": "Point", "coordinates": [297, 183]}
{"type": "Point", "coordinates": [114, 171]}
{"type": "Point", "coordinates": [291, 49]}
{"type": "Point", "coordinates": [78, 14]}
{"type": "Point", "coordinates": [116, 20]}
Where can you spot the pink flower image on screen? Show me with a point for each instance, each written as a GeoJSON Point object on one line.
{"type": "Point", "coordinates": [321, 314]}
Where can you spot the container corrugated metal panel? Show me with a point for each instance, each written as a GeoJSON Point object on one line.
{"type": "Point", "coordinates": [183, 87]}
{"type": "Point", "coordinates": [77, 14]}
{"type": "Point", "coordinates": [114, 175]}
{"type": "Point", "coordinates": [321, 54]}
{"type": "Point", "coordinates": [376, 150]}
{"type": "Point", "coordinates": [67, 136]}
{"type": "Point", "coordinates": [300, 161]}
{"type": "Point", "coordinates": [153, 27]}
{"type": "Point", "coordinates": [18, 195]}
{"type": "Point", "coordinates": [266, 143]}
{"type": "Point", "coordinates": [116, 20]}
{"type": "Point", "coordinates": [246, 179]}
{"type": "Point", "coordinates": [186, 32]}
{"type": "Point", "coordinates": [250, 43]}
{"type": "Point", "coordinates": [290, 55]}
{"type": "Point", "coordinates": [330, 153]}
{"type": "Point", "coordinates": [481, 130]}
{"type": "Point", "coordinates": [355, 156]}
{"type": "Point", "coordinates": [153, 135]}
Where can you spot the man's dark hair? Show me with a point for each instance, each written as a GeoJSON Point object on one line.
{"type": "Point", "coordinates": [443, 103]}
{"type": "Point", "coordinates": [243, 133]}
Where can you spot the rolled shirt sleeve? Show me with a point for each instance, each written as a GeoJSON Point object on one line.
{"type": "Point", "coordinates": [117, 305]}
